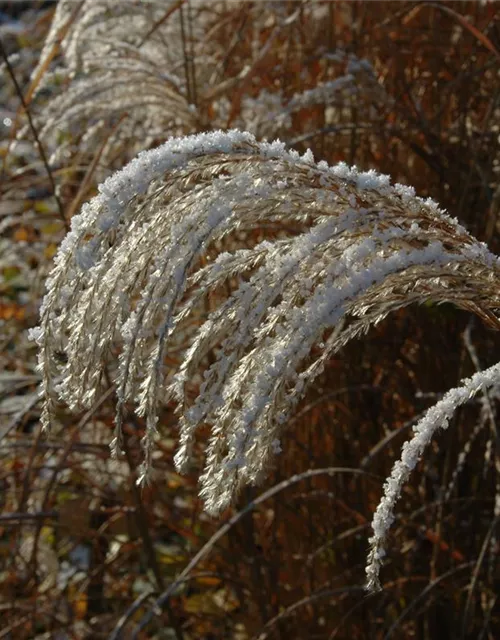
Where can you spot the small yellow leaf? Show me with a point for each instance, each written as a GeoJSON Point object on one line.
{"type": "Point", "coordinates": [50, 250]}
{"type": "Point", "coordinates": [42, 206]}
{"type": "Point", "coordinates": [51, 227]}
{"type": "Point", "coordinates": [80, 605]}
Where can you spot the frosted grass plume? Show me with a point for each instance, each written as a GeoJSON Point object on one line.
{"type": "Point", "coordinates": [239, 257]}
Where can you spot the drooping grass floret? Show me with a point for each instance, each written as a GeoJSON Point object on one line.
{"type": "Point", "coordinates": [242, 256]}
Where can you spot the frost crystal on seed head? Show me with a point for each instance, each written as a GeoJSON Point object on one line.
{"type": "Point", "coordinates": [241, 255]}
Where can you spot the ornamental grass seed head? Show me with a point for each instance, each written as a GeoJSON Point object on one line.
{"type": "Point", "coordinates": [242, 256]}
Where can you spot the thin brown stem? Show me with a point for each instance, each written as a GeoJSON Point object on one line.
{"type": "Point", "coordinates": [39, 144]}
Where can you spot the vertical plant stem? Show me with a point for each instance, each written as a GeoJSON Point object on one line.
{"type": "Point", "coordinates": [147, 543]}
{"type": "Point", "coordinates": [39, 145]}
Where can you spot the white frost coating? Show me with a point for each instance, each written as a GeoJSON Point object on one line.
{"type": "Point", "coordinates": [323, 93]}
{"type": "Point", "coordinates": [118, 190]}
{"type": "Point", "coordinates": [437, 417]}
